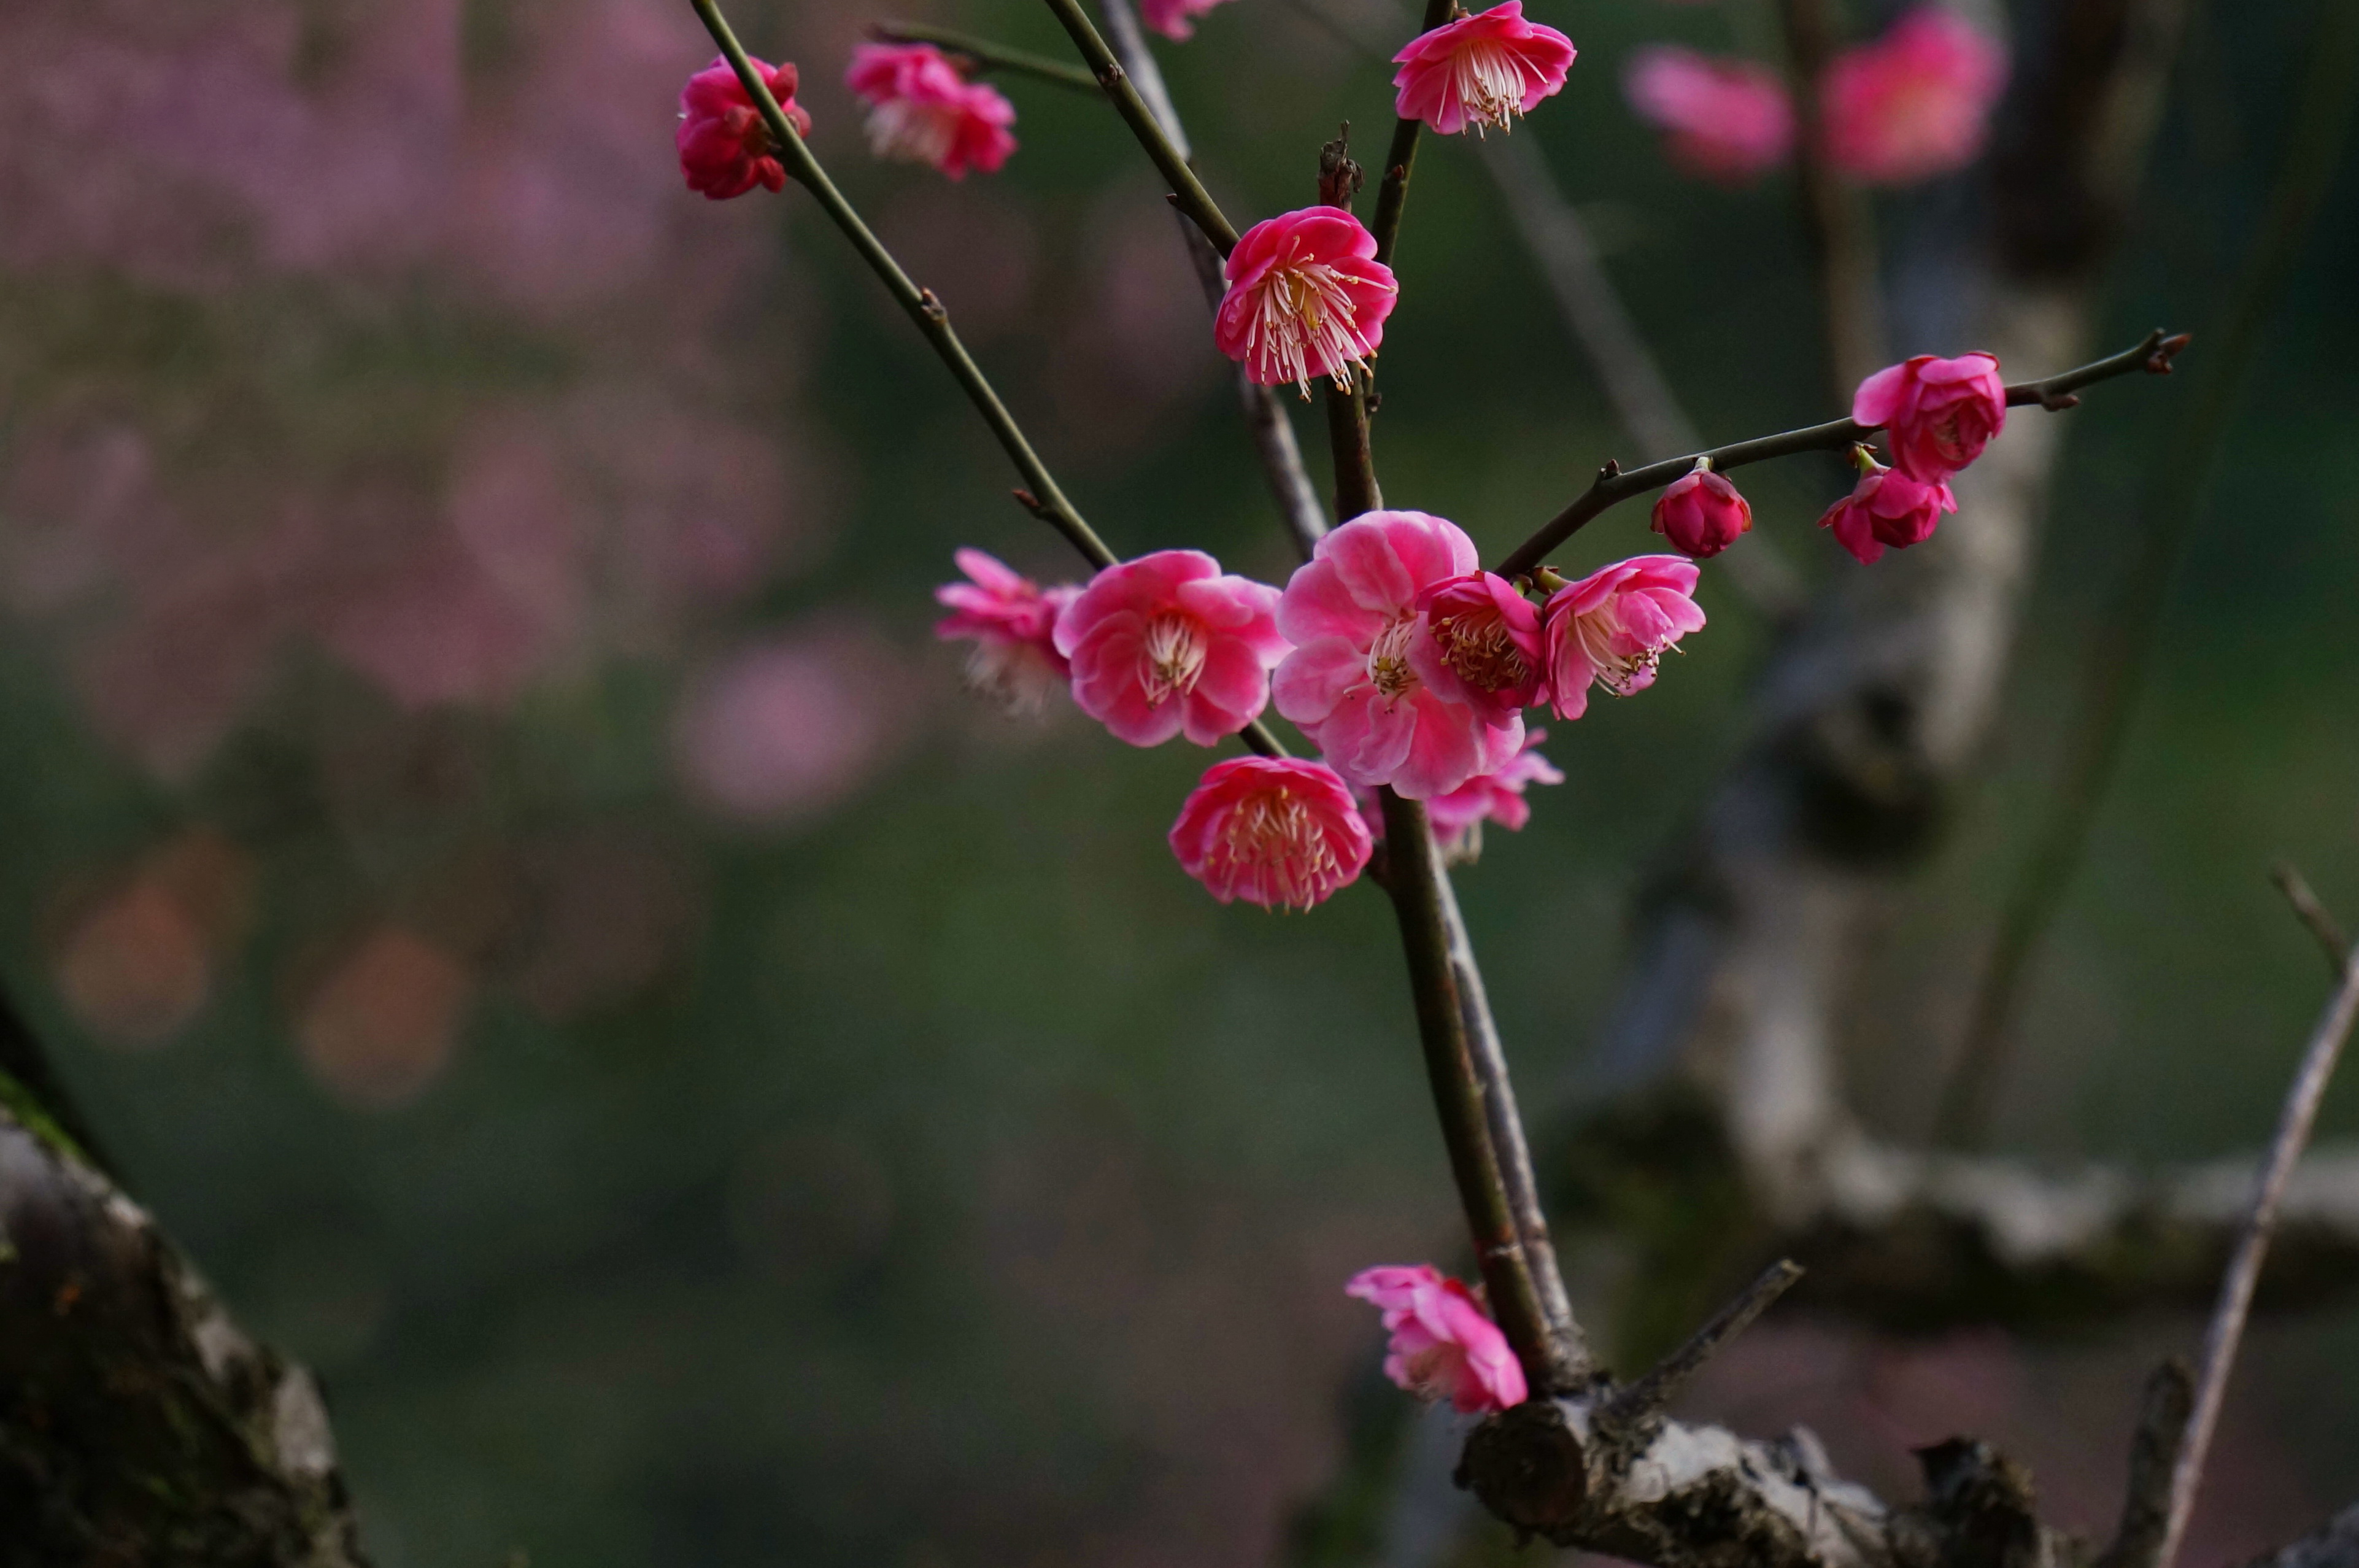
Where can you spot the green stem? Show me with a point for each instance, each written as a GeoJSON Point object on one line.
{"type": "Point", "coordinates": [1186, 188]}
{"type": "Point", "coordinates": [981, 54]}
{"type": "Point", "coordinates": [1400, 159]}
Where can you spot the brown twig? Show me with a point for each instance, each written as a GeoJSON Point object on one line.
{"type": "Point", "coordinates": [981, 54]}
{"type": "Point", "coordinates": [1643, 1400]}
{"type": "Point", "coordinates": [2145, 1505]}
{"type": "Point", "coordinates": [1400, 159]}
{"type": "Point", "coordinates": [2227, 1326]}
{"type": "Point", "coordinates": [2152, 354]}
{"type": "Point", "coordinates": [2313, 913]}
{"type": "Point", "coordinates": [1187, 191]}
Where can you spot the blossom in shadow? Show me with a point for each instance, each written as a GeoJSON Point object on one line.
{"type": "Point", "coordinates": [1728, 120]}
{"type": "Point", "coordinates": [1442, 1347]}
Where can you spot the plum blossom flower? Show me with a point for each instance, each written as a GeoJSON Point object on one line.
{"type": "Point", "coordinates": [724, 148]}
{"type": "Point", "coordinates": [1444, 1347]}
{"type": "Point", "coordinates": [1887, 507]}
{"type": "Point", "coordinates": [1175, 19]}
{"type": "Point", "coordinates": [1481, 71]}
{"type": "Point", "coordinates": [1914, 104]}
{"type": "Point", "coordinates": [1940, 413]}
{"type": "Point", "coordinates": [1166, 644]}
{"type": "Point", "coordinates": [1701, 513]}
{"type": "Point", "coordinates": [1728, 120]}
{"type": "Point", "coordinates": [1276, 832]}
{"type": "Point", "coordinates": [1482, 645]}
{"type": "Point", "coordinates": [1305, 298]}
{"type": "Point", "coordinates": [1355, 680]}
{"type": "Point", "coordinates": [1610, 628]}
{"type": "Point", "coordinates": [1458, 817]}
{"type": "Point", "coordinates": [1012, 622]}
{"type": "Point", "coordinates": [922, 111]}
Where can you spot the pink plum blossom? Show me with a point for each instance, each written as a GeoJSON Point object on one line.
{"type": "Point", "coordinates": [1728, 120]}
{"type": "Point", "coordinates": [1012, 621]}
{"type": "Point", "coordinates": [922, 111]}
{"type": "Point", "coordinates": [1610, 628]}
{"type": "Point", "coordinates": [724, 148]}
{"type": "Point", "coordinates": [1166, 645]}
{"type": "Point", "coordinates": [1305, 298]}
{"type": "Point", "coordinates": [1174, 19]}
{"type": "Point", "coordinates": [1701, 513]}
{"type": "Point", "coordinates": [1444, 1347]}
{"type": "Point", "coordinates": [1887, 507]}
{"type": "Point", "coordinates": [1355, 681]}
{"type": "Point", "coordinates": [1914, 104]}
{"type": "Point", "coordinates": [1481, 71]}
{"type": "Point", "coordinates": [1940, 413]}
{"type": "Point", "coordinates": [1276, 832]}
{"type": "Point", "coordinates": [1457, 817]}
{"type": "Point", "coordinates": [1482, 645]}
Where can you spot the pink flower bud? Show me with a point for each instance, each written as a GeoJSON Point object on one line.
{"type": "Point", "coordinates": [724, 148]}
{"type": "Point", "coordinates": [922, 111]}
{"type": "Point", "coordinates": [1174, 19]}
{"type": "Point", "coordinates": [1480, 70]}
{"type": "Point", "coordinates": [1276, 832]}
{"type": "Point", "coordinates": [1354, 683]}
{"type": "Point", "coordinates": [1444, 1347]}
{"type": "Point", "coordinates": [1481, 646]}
{"type": "Point", "coordinates": [1914, 104]}
{"type": "Point", "coordinates": [1887, 507]}
{"type": "Point", "coordinates": [1610, 628]}
{"type": "Point", "coordinates": [1701, 513]}
{"type": "Point", "coordinates": [1727, 120]}
{"type": "Point", "coordinates": [1012, 622]}
{"type": "Point", "coordinates": [1166, 644]}
{"type": "Point", "coordinates": [1940, 413]}
{"type": "Point", "coordinates": [1305, 298]}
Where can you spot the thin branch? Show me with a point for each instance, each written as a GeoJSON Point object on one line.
{"type": "Point", "coordinates": [2228, 1327]}
{"type": "Point", "coordinates": [1187, 190]}
{"type": "Point", "coordinates": [1836, 219]}
{"type": "Point", "coordinates": [2145, 1505]}
{"type": "Point", "coordinates": [2152, 354]}
{"type": "Point", "coordinates": [2313, 913]}
{"type": "Point", "coordinates": [981, 54]}
{"type": "Point", "coordinates": [1643, 1400]}
{"type": "Point", "coordinates": [2113, 672]}
{"type": "Point", "coordinates": [1400, 159]}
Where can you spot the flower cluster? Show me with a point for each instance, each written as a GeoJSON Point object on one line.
{"type": "Point", "coordinates": [1904, 107]}
{"type": "Point", "coordinates": [1443, 1347]}
{"type": "Point", "coordinates": [1938, 414]}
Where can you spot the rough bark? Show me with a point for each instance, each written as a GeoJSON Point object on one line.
{"type": "Point", "coordinates": [2334, 1544]}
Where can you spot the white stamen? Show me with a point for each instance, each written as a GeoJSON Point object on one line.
{"type": "Point", "coordinates": [1489, 80]}
{"type": "Point", "coordinates": [1277, 834]}
{"type": "Point", "coordinates": [1388, 669]}
{"type": "Point", "coordinates": [1620, 674]}
{"type": "Point", "coordinates": [1172, 657]}
{"type": "Point", "coordinates": [1302, 316]}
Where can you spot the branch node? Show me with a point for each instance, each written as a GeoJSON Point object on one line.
{"type": "Point", "coordinates": [1111, 75]}
{"type": "Point", "coordinates": [2057, 402]}
{"type": "Point", "coordinates": [1339, 176]}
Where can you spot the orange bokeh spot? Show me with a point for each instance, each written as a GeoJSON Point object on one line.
{"type": "Point", "coordinates": [384, 1024]}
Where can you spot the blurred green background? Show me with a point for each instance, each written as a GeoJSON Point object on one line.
{"type": "Point", "coordinates": [524, 896]}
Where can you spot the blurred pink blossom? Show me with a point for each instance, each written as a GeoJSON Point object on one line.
{"type": "Point", "coordinates": [1610, 628]}
{"type": "Point", "coordinates": [1914, 104]}
{"type": "Point", "coordinates": [1277, 832]}
{"type": "Point", "coordinates": [1701, 513]}
{"type": "Point", "coordinates": [1169, 644]}
{"type": "Point", "coordinates": [1444, 1347]}
{"type": "Point", "coordinates": [724, 147]}
{"type": "Point", "coordinates": [1938, 414]}
{"type": "Point", "coordinates": [1012, 621]}
{"type": "Point", "coordinates": [921, 110]}
{"type": "Point", "coordinates": [781, 730]}
{"type": "Point", "coordinates": [1728, 120]}
{"type": "Point", "coordinates": [1307, 298]}
{"type": "Point", "coordinates": [1174, 18]}
{"type": "Point", "coordinates": [1480, 70]}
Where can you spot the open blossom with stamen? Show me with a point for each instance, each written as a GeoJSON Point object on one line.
{"type": "Point", "coordinates": [1012, 622]}
{"type": "Point", "coordinates": [1307, 298]}
{"type": "Point", "coordinates": [1482, 645]}
{"type": "Point", "coordinates": [1914, 104]}
{"type": "Point", "coordinates": [1174, 19]}
{"type": "Point", "coordinates": [1610, 628]}
{"type": "Point", "coordinates": [1276, 832]}
{"type": "Point", "coordinates": [1700, 512]}
{"type": "Point", "coordinates": [1444, 1347]}
{"type": "Point", "coordinates": [1166, 645]}
{"type": "Point", "coordinates": [1353, 682]}
{"type": "Point", "coordinates": [1938, 414]}
{"type": "Point", "coordinates": [922, 111]}
{"type": "Point", "coordinates": [1887, 507]}
{"type": "Point", "coordinates": [724, 148]}
{"type": "Point", "coordinates": [1480, 70]}
{"type": "Point", "coordinates": [1728, 120]}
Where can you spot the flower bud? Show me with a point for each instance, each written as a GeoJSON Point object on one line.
{"type": "Point", "coordinates": [1701, 513]}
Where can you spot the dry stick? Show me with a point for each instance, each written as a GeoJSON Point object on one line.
{"type": "Point", "coordinates": [1043, 498]}
{"type": "Point", "coordinates": [2311, 913]}
{"type": "Point", "coordinates": [1649, 1395]}
{"type": "Point", "coordinates": [981, 54]}
{"type": "Point", "coordinates": [2228, 1327]}
{"type": "Point", "coordinates": [1266, 418]}
{"type": "Point", "coordinates": [1835, 219]}
{"type": "Point", "coordinates": [2153, 353]}
{"type": "Point", "coordinates": [1187, 191]}
{"type": "Point", "coordinates": [2145, 1503]}
{"type": "Point", "coordinates": [2114, 673]}
{"type": "Point", "coordinates": [1400, 159]}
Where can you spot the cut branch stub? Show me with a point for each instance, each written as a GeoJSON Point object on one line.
{"type": "Point", "coordinates": [1530, 1466]}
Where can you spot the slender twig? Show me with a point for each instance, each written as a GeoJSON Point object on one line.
{"type": "Point", "coordinates": [1266, 418]}
{"type": "Point", "coordinates": [1649, 1395]}
{"type": "Point", "coordinates": [2228, 1327]}
{"type": "Point", "coordinates": [981, 54]}
{"type": "Point", "coordinates": [2152, 354]}
{"type": "Point", "coordinates": [2145, 1504]}
{"type": "Point", "coordinates": [1400, 159]}
{"type": "Point", "coordinates": [1836, 219]}
{"type": "Point", "coordinates": [2313, 913]}
{"type": "Point", "coordinates": [1042, 497]}
{"type": "Point", "coordinates": [2115, 672]}
{"type": "Point", "coordinates": [1187, 190]}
